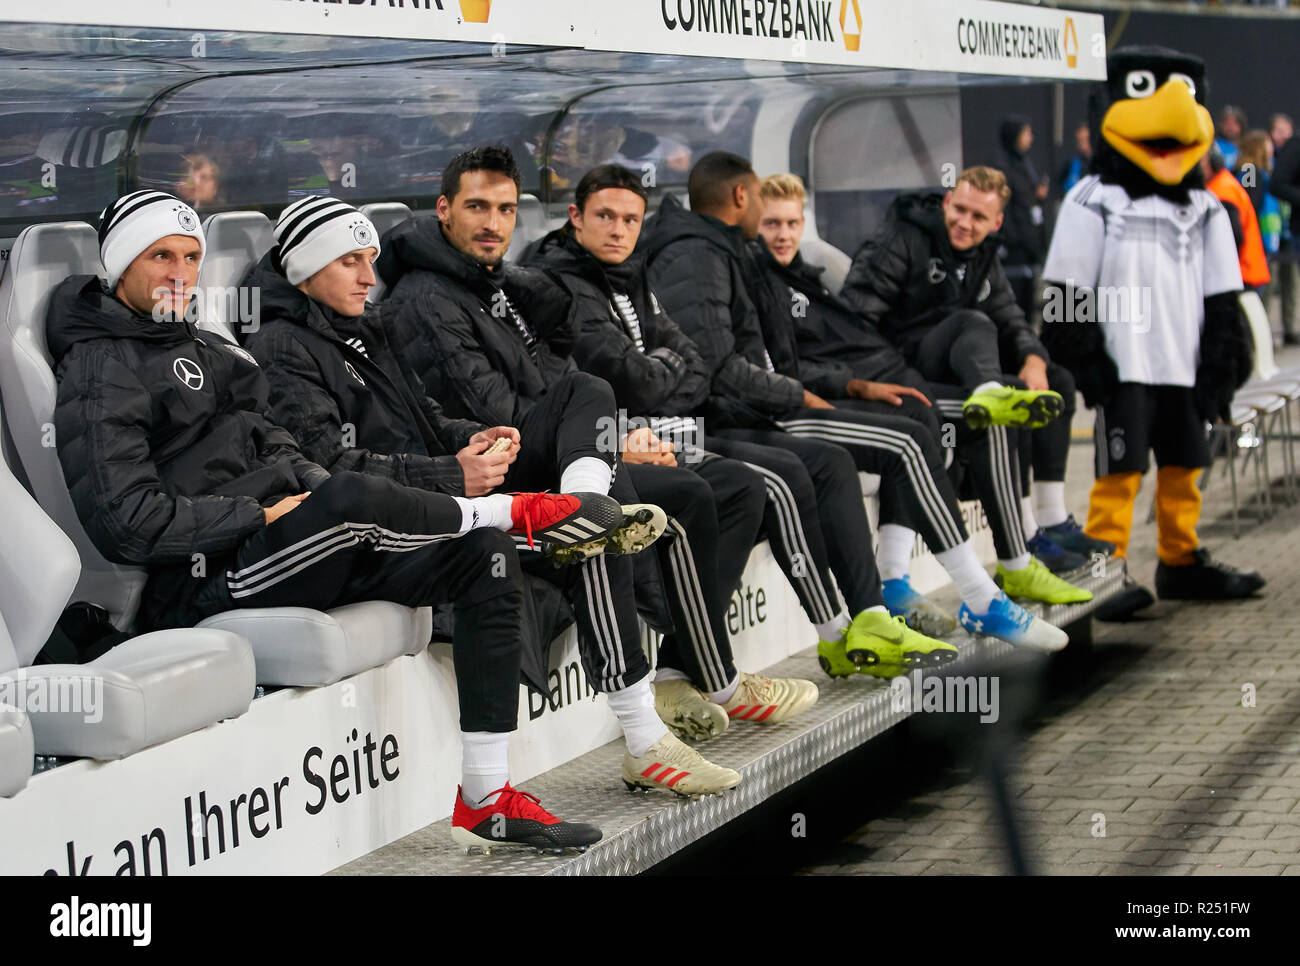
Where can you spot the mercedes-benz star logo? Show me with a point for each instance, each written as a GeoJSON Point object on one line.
{"type": "Point", "coordinates": [189, 373]}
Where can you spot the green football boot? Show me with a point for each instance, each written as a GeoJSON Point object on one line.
{"type": "Point", "coordinates": [836, 663]}
{"type": "Point", "coordinates": [1007, 406]}
{"type": "Point", "coordinates": [876, 640]}
{"type": "Point", "coordinates": [1036, 582]}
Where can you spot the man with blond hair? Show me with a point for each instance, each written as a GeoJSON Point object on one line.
{"type": "Point", "coordinates": [932, 284]}
{"type": "Point", "coordinates": [705, 276]}
{"type": "Point", "coordinates": [844, 360]}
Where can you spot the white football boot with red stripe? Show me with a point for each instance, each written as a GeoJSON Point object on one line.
{"type": "Point", "coordinates": [769, 700]}
{"type": "Point", "coordinates": [672, 764]}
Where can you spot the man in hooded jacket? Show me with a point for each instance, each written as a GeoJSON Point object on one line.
{"type": "Point", "coordinates": [172, 459]}
{"type": "Point", "coordinates": [704, 274]}
{"type": "Point", "coordinates": [490, 341]}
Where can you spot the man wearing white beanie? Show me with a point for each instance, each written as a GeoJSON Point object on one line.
{"type": "Point", "coordinates": [167, 443]}
{"type": "Point", "coordinates": [170, 229]}
{"type": "Point", "coordinates": [348, 395]}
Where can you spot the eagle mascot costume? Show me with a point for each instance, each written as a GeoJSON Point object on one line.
{"type": "Point", "coordinates": [1140, 303]}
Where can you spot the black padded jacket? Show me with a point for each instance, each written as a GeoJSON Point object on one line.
{"type": "Point", "coordinates": [665, 375]}
{"type": "Point", "coordinates": [906, 280]}
{"type": "Point", "coordinates": [167, 444]}
{"type": "Point", "coordinates": [452, 318]}
{"type": "Point", "coordinates": [329, 371]}
{"type": "Point", "coordinates": [697, 266]}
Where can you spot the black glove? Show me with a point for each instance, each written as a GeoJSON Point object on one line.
{"type": "Point", "coordinates": [1080, 346]}
{"type": "Point", "coordinates": [1096, 378]}
{"type": "Point", "coordinates": [1213, 401]}
{"type": "Point", "coordinates": [1227, 356]}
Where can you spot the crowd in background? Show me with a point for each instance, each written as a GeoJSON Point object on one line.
{"type": "Point", "coordinates": [1265, 161]}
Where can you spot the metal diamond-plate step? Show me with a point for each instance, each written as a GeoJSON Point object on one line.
{"type": "Point", "coordinates": [643, 829]}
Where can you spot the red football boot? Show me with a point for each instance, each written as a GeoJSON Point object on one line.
{"type": "Point", "coordinates": [516, 818]}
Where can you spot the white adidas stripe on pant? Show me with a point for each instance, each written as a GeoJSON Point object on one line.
{"type": "Point", "coordinates": [279, 566]}
{"type": "Point", "coordinates": [791, 535]}
{"type": "Point", "coordinates": [687, 581]}
{"type": "Point", "coordinates": [918, 471]}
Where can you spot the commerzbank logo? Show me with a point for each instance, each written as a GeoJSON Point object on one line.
{"type": "Point", "coordinates": [785, 19]}
{"type": "Point", "coordinates": [1071, 43]}
{"type": "Point", "coordinates": [476, 11]}
{"type": "Point", "coordinates": [851, 28]}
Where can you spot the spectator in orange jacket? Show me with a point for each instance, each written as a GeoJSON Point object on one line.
{"type": "Point", "coordinates": [1245, 223]}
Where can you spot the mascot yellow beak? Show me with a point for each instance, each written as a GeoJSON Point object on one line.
{"type": "Point", "coordinates": [1164, 134]}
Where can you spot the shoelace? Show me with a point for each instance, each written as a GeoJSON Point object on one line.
{"type": "Point", "coordinates": [681, 754]}
{"type": "Point", "coordinates": [516, 804]}
{"type": "Point", "coordinates": [531, 512]}
{"type": "Point", "coordinates": [1019, 616]}
{"type": "Point", "coordinates": [1070, 526]}
{"type": "Point", "coordinates": [1205, 559]}
{"type": "Point", "coordinates": [763, 691]}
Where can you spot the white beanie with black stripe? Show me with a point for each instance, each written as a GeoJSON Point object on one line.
{"type": "Point", "coordinates": [135, 221]}
{"type": "Point", "coordinates": [315, 231]}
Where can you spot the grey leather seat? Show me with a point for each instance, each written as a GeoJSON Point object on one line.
{"type": "Point", "coordinates": [16, 748]}
{"type": "Point", "coordinates": [384, 216]}
{"type": "Point", "coordinates": [530, 223]}
{"type": "Point", "coordinates": [824, 255]}
{"type": "Point", "coordinates": [295, 646]}
{"type": "Point", "coordinates": [145, 691]}
{"type": "Point", "coordinates": [235, 240]}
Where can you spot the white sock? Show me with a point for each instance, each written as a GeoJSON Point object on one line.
{"type": "Point", "coordinates": [973, 582]}
{"type": "Point", "coordinates": [671, 674]}
{"type": "Point", "coordinates": [485, 511]}
{"type": "Point", "coordinates": [586, 474]}
{"type": "Point", "coordinates": [1028, 522]}
{"type": "Point", "coordinates": [986, 385]}
{"type": "Point", "coordinates": [723, 696]}
{"type": "Point", "coordinates": [635, 709]}
{"type": "Point", "coordinates": [485, 765]}
{"type": "Point", "coordinates": [895, 552]}
{"type": "Point", "coordinates": [1049, 503]}
{"type": "Point", "coordinates": [1017, 563]}
{"type": "Point", "coordinates": [834, 628]}
{"type": "Point", "coordinates": [878, 609]}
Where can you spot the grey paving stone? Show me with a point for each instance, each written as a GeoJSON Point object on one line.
{"type": "Point", "coordinates": [1224, 870]}
{"type": "Point", "coordinates": [1263, 857]}
{"type": "Point", "coordinates": [1189, 781]}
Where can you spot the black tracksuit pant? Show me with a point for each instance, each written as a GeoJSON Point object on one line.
{"type": "Point", "coordinates": [715, 509]}
{"type": "Point", "coordinates": [814, 517]}
{"type": "Point", "coordinates": [961, 349]}
{"type": "Point", "coordinates": [358, 538]}
{"type": "Point", "coordinates": [563, 426]}
{"type": "Point", "coordinates": [1047, 448]}
{"type": "Point", "coordinates": [991, 455]}
{"type": "Point", "coordinates": [914, 485]}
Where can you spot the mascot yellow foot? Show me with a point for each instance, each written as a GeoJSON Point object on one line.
{"type": "Point", "coordinates": [1185, 571]}
{"type": "Point", "coordinates": [1110, 517]}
